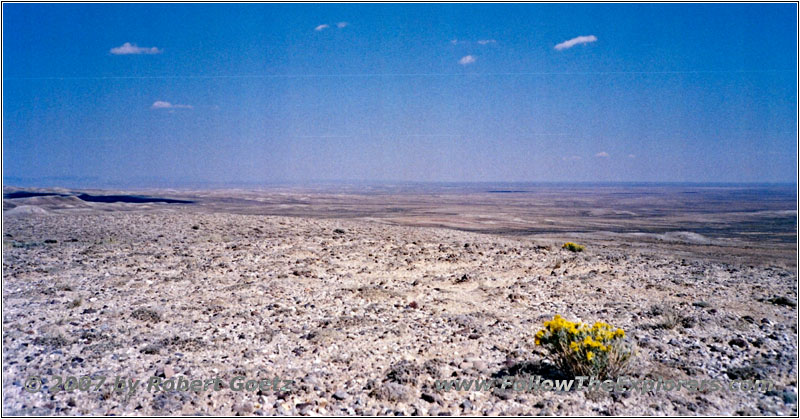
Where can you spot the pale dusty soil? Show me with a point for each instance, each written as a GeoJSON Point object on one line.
{"type": "Point", "coordinates": [374, 314]}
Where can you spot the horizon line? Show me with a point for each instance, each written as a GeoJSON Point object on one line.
{"type": "Point", "coordinates": [313, 183]}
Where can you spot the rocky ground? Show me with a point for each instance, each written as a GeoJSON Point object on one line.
{"type": "Point", "coordinates": [365, 316]}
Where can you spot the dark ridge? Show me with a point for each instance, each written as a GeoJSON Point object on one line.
{"type": "Point", "coordinates": [133, 199]}
{"type": "Point", "coordinates": [506, 191]}
{"type": "Point", "coordinates": [25, 194]}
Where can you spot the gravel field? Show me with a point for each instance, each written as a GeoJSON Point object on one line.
{"type": "Point", "coordinates": [364, 316]}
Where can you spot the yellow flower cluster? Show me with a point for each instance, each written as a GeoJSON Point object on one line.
{"type": "Point", "coordinates": [606, 332]}
{"type": "Point", "coordinates": [572, 247]}
{"type": "Point", "coordinates": [581, 349]}
{"type": "Point", "coordinates": [579, 336]}
{"type": "Point", "coordinates": [560, 323]}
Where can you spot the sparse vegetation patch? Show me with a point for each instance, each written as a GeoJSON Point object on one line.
{"type": "Point", "coordinates": [573, 247]}
{"type": "Point", "coordinates": [600, 350]}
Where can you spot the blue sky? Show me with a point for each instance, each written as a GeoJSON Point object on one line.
{"type": "Point", "coordinates": [168, 94]}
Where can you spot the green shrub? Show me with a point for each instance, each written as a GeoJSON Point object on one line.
{"type": "Point", "coordinates": [573, 247]}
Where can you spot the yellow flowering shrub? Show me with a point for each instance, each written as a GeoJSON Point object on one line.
{"type": "Point", "coordinates": [573, 247]}
{"type": "Point", "coordinates": [599, 350]}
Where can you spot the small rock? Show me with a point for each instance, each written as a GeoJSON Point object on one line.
{"type": "Point", "coordinates": [783, 301]}
{"type": "Point", "coordinates": [738, 342]}
{"type": "Point", "coordinates": [688, 322]}
{"type": "Point", "coordinates": [339, 395]}
{"type": "Point", "coordinates": [466, 405]}
{"type": "Point", "coordinates": [503, 394]}
{"type": "Point", "coordinates": [243, 408]}
{"type": "Point", "coordinates": [480, 366]}
{"type": "Point", "coordinates": [303, 408]}
{"type": "Point", "coordinates": [428, 398]}
{"type": "Point", "coordinates": [391, 392]}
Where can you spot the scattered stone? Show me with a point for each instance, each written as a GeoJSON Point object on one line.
{"type": "Point", "coordinates": [147, 315]}
{"type": "Point", "coordinates": [738, 342]}
{"type": "Point", "coordinates": [428, 398]}
{"type": "Point", "coordinates": [259, 295]}
{"type": "Point", "coordinates": [783, 301]}
{"type": "Point", "coordinates": [390, 392]}
{"type": "Point", "coordinates": [242, 409]}
{"type": "Point", "coordinates": [304, 408]}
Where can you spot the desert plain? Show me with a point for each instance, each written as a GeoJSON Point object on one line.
{"type": "Point", "coordinates": [365, 295]}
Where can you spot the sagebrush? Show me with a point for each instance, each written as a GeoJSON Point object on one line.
{"type": "Point", "coordinates": [573, 247]}
{"type": "Point", "coordinates": [600, 350]}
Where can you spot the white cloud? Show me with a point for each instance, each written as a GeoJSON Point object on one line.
{"type": "Point", "coordinates": [469, 59]}
{"type": "Point", "coordinates": [160, 104]}
{"type": "Point", "coordinates": [601, 154]}
{"type": "Point", "coordinates": [631, 156]}
{"type": "Point", "coordinates": [129, 49]}
{"type": "Point", "coordinates": [322, 27]}
{"type": "Point", "coordinates": [576, 41]}
{"type": "Point", "coordinates": [479, 42]}
{"type": "Point", "coordinates": [341, 25]}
